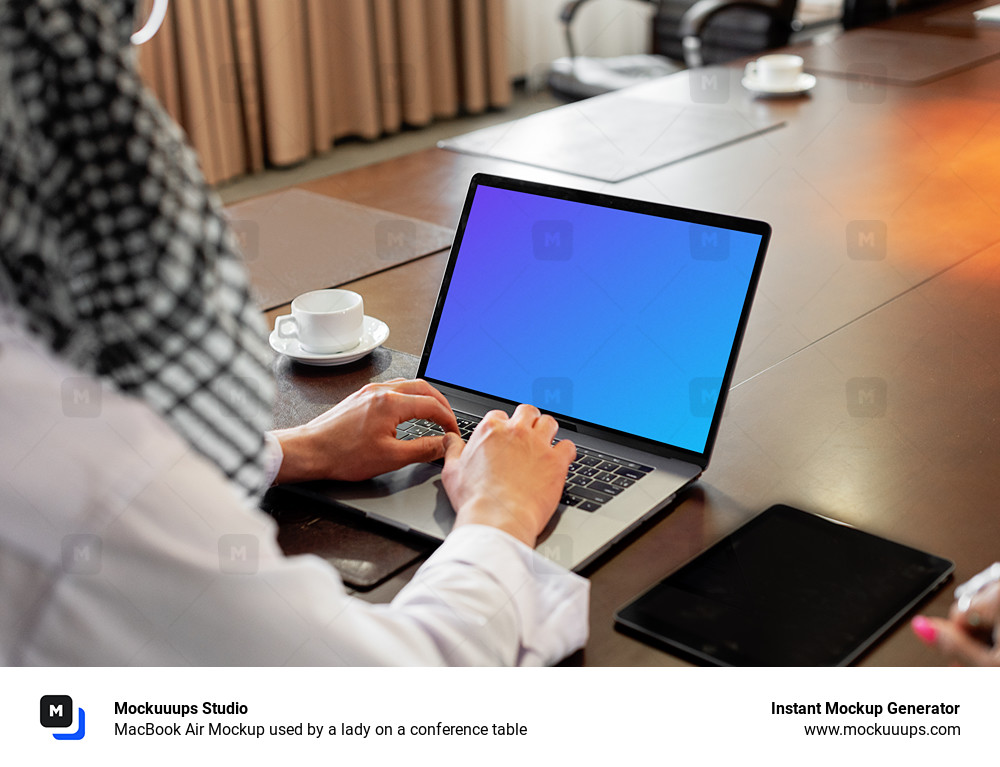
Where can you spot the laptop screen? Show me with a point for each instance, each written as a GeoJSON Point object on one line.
{"type": "Point", "coordinates": [620, 314]}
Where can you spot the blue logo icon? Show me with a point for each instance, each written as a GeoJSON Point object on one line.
{"type": "Point", "coordinates": [57, 711]}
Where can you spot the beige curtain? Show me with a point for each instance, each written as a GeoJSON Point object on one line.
{"type": "Point", "coordinates": [257, 82]}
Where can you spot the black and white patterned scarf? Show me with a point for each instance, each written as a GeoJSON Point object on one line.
{"type": "Point", "coordinates": [113, 250]}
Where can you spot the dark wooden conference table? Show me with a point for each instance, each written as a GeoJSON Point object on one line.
{"type": "Point", "coordinates": [868, 386]}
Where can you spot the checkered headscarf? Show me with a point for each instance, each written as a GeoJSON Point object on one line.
{"type": "Point", "coordinates": [113, 250]}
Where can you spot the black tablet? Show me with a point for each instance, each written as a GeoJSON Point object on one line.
{"type": "Point", "coordinates": [787, 589]}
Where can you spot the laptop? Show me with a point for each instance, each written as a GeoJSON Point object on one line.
{"type": "Point", "coordinates": [620, 318]}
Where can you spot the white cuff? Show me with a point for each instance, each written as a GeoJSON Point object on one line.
{"type": "Point", "coordinates": [550, 602]}
{"type": "Point", "coordinates": [277, 455]}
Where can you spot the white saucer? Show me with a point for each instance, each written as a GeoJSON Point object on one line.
{"type": "Point", "coordinates": [373, 335]}
{"type": "Point", "coordinates": [805, 83]}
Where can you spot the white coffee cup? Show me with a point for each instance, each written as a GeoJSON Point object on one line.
{"type": "Point", "coordinates": [324, 321]}
{"type": "Point", "coordinates": [776, 70]}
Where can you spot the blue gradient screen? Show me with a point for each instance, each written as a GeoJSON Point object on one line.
{"type": "Point", "coordinates": [622, 319]}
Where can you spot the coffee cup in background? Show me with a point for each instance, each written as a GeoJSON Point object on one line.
{"type": "Point", "coordinates": [324, 321]}
{"type": "Point", "coordinates": [776, 70]}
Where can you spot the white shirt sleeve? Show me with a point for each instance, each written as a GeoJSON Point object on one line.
{"type": "Point", "coordinates": [275, 456]}
{"type": "Point", "coordinates": [121, 545]}
{"type": "Point", "coordinates": [532, 604]}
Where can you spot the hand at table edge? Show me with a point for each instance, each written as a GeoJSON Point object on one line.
{"type": "Point", "coordinates": [970, 635]}
{"type": "Point", "coordinates": [356, 438]}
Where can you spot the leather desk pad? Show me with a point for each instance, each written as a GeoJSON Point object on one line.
{"type": "Point", "coordinates": [364, 552]}
{"type": "Point", "coordinates": [294, 241]}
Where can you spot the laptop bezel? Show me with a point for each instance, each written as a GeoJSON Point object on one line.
{"type": "Point", "coordinates": [643, 207]}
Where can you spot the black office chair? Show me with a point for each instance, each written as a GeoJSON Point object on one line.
{"type": "Point", "coordinates": [860, 13]}
{"type": "Point", "coordinates": [686, 33]}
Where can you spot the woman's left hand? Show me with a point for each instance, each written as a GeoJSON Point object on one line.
{"type": "Point", "coordinates": [356, 439]}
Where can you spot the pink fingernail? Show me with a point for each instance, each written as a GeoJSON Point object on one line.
{"type": "Point", "coordinates": [924, 630]}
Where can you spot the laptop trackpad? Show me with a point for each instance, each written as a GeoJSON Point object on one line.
{"type": "Point", "coordinates": [412, 498]}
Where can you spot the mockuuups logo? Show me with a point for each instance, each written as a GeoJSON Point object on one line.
{"type": "Point", "coordinates": [56, 711]}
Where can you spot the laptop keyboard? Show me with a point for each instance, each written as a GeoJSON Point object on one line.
{"type": "Point", "coordinates": [594, 478]}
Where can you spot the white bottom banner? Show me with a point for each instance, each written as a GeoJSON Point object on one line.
{"type": "Point", "coordinates": [580, 716]}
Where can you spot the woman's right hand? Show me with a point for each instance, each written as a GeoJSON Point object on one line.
{"type": "Point", "coordinates": [970, 635]}
{"type": "Point", "coordinates": [509, 475]}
